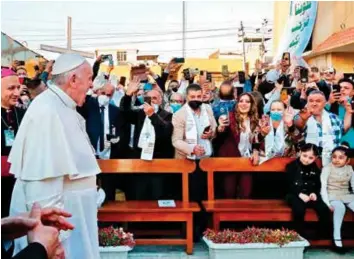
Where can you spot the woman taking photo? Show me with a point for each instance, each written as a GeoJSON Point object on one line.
{"type": "Point", "coordinates": [237, 136]}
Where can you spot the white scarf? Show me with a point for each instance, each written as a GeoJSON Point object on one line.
{"type": "Point", "coordinates": [245, 146]}
{"type": "Point", "coordinates": [275, 143]}
{"type": "Point", "coordinates": [192, 131]}
{"type": "Point", "coordinates": [147, 140]}
{"type": "Point", "coordinates": [313, 137]}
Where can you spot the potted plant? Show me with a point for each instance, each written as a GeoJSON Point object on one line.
{"type": "Point", "coordinates": [255, 243]}
{"type": "Point", "coordinates": [115, 243]}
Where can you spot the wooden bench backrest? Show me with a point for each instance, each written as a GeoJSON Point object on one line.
{"type": "Point", "coordinates": [238, 164]}
{"type": "Point", "coordinates": [179, 166]}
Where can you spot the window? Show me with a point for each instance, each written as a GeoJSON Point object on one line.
{"type": "Point", "coordinates": [121, 56]}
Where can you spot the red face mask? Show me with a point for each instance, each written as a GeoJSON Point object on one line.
{"type": "Point", "coordinates": [22, 80]}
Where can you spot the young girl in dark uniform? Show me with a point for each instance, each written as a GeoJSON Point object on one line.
{"type": "Point", "coordinates": [304, 182]}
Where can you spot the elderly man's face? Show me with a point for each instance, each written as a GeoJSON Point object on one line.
{"type": "Point", "coordinates": [81, 82]}
{"type": "Point", "coordinates": [155, 97]}
{"type": "Point", "coordinates": [10, 91]}
{"type": "Point", "coordinates": [107, 90]}
{"type": "Point", "coordinates": [316, 103]}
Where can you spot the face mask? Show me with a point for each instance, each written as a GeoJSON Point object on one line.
{"type": "Point", "coordinates": [156, 107]}
{"type": "Point", "coordinates": [141, 99]}
{"type": "Point", "coordinates": [103, 100]}
{"type": "Point", "coordinates": [175, 107]}
{"type": "Point", "coordinates": [276, 116]}
{"type": "Point", "coordinates": [147, 87]}
{"type": "Point", "coordinates": [194, 104]}
{"type": "Point", "coordinates": [89, 92]}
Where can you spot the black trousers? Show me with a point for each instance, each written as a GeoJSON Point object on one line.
{"type": "Point", "coordinates": [299, 207]}
{"type": "Point", "coordinates": [7, 185]}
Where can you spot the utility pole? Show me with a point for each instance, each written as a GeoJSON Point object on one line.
{"type": "Point", "coordinates": [68, 48]}
{"type": "Point", "coordinates": [242, 35]}
{"type": "Point", "coordinates": [184, 29]}
{"type": "Point", "coordinates": [68, 32]}
{"type": "Point", "coordinates": [262, 47]}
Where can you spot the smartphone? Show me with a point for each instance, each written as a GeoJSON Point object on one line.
{"type": "Point", "coordinates": [225, 70]}
{"type": "Point", "coordinates": [336, 88]}
{"type": "Point", "coordinates": [122, 80]}
{"type": "Point", "coordinates": [179, 60]}
{"type": "Point", "coordinates": [241, 77]}
{"type": "Point", "coordinates": [352, 107]}
{"type": "Point", "coordinates": [304, 75]}
{"type": "Point", "coordinates": [186, 74]}
{"type": "Point", "coordinates": [239, 90]}
{"type": "Point", "coordinates": [107, 57]}
{"type": "Point", "coordinates": [281, 79]}
{"type": "Point", "coordinates": [147, 99]}
{"type": "Point", "coordinates": [286, 58]}
{"type": "Point", "coordinates": [206, 129]}
{"type": "Point", "coordinates": [201, 72]}
{"type": "Point", "coordinates": [208, 77]}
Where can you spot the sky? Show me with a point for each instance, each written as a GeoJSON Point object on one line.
{"type": "Point", "coordinates": [150, 27]}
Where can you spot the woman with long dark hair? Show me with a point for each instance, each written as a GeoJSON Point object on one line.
{"type": "Point", "coordinates": [237, 136]}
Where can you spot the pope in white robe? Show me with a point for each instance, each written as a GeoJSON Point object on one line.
{"type": "Point", "coordinates": [53, 160]}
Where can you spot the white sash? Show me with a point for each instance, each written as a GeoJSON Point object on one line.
{"type": "Point", "coordinates": [275, 143]}
{"type": "Point", "coordinates": [327, 139]}
{"type": "Point", "coordinates": [147, 140]}
{"type": "Point", "coordinates": [192, 132]}
{"type": "Point", "coordinates": [245, 146]}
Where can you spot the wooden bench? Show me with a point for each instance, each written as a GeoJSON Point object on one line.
{"type": "Point", "coordinates": [252, 210]}
{"type": "Point", "coordinates": [149, 211]}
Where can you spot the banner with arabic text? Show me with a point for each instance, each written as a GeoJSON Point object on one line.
{"type": "Point", "coordinates": [298, 29]}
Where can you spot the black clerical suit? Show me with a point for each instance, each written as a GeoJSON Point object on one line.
{"type": "Point", "coordinates": [32, 251]}
{"type": "Point", "coordinates": [95, 127]}
{"type": "Point", "coordinates": [10, 122]}
{"type": "Point", "coordinates": [162, 123]}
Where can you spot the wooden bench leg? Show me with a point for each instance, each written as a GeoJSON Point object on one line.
{"type": "Point", "coordinates": [216, 221]}
{"type": "Point", "coordinates": [190, 234]}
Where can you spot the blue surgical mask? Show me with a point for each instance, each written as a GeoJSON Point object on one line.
{"type": "Point", "coordinates": [147, 87]}
{"type": "Point", "coordinates": [141, 99]}
{"type": "Point", "coordinates": [276, 116]}
{"type": "Point", "coordinates": [175, 107]}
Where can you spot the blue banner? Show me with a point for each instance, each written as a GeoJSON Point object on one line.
{"type": "Point", "coordinates": [298, 29]}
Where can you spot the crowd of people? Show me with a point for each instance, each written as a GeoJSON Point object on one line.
{"type": "Point", "coordinates": [282, 112]}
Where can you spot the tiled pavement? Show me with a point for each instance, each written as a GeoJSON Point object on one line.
{"type": "Point", "coordinates": [201, 252]}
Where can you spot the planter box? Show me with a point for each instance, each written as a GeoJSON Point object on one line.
{"type": "Point", "coordinates": [114, 252]}
{"type": "Point", "coordinates": [293, 250]}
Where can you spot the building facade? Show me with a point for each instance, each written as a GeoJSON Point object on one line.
{"type": "Point", "coordinates": [332, 40]}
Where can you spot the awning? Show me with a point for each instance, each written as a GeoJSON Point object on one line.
{"type": "Point", "coordinates": [342, 41]}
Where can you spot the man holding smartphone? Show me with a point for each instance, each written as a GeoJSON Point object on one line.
{"type": "Point", "coordinates": [343, 96]}
{"type": "Point", "coordinates": [152, 138]}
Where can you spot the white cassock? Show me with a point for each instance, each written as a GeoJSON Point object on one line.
{"type": "Point", "coordinates": [54, 164]}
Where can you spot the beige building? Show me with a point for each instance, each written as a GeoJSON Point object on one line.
{"type": "Point", "coordinates": [332, 42]}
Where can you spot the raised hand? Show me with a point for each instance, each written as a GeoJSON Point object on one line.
{"type": "Point", "coordinates": [133, 86]}
{"type": "Point", "coordinates": [288, 116]}
{"type": "Point", "coordinates": [45, 235]}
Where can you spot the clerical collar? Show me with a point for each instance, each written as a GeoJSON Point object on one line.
{"type": "Point", "coordinates": [64, 97]}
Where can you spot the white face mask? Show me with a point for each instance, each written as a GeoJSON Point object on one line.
{"type": "Point", "coordinates": [89, 92]}
{"type": "Point", "coordinates": [103, 100]}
